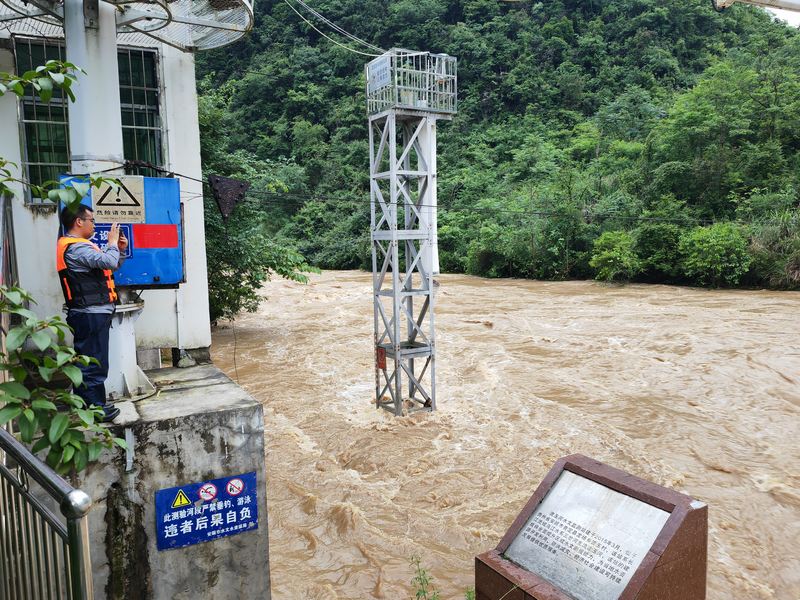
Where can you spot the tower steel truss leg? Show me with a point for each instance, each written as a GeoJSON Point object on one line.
{"type": "Point", "coordinates": [403, 198]}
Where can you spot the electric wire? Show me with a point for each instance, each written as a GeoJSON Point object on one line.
{"type": "Point", "coordinates": [33, 186]}
{"type": "Point", "coordinates": [119, 166]}
{"type": "Point", "coordinates": [30, 23]}
{"type": "Point", "coordinates": [336, 27]}
{"type": "Point", "coordinates": [327, 36]}
{"type": "Point", "coordinates": [282, 198]}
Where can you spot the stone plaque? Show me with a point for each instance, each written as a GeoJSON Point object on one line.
{"type": "Point", "coordinates": [593, 532]}
{"type": "Point", "coordinates": [587, 539]}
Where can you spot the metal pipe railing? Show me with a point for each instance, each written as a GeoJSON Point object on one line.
{"type": "Point", "coordinates": [40, 556]}
{"type": "Point", "coordinates": [414, 80]}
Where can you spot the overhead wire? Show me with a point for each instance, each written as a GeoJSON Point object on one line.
{"type": "Point", "coordinates": [336, 27]}
{"type": "Point", "coordinates": [282, 198]}
{"type": "Point", "coordinates": [30, 23]}
{"type": "Point", "coordinates": [323, 34]}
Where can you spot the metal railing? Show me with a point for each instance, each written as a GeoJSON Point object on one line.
{"type": "Point", "coordinates": [42, 555]}
{"type": "Point", "coordinates": [416, 80]}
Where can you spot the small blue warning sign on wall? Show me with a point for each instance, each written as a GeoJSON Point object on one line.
{"type": "Point", "coordinates": [100, 237]}
{"type": "Point", "coordinates": [202, 512]}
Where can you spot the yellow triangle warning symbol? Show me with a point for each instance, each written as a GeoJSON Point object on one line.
{"type": "Point", "coordinates": [180, 500]}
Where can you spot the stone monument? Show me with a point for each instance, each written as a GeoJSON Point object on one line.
{"type": "Point", "coordinates": [593, 532]}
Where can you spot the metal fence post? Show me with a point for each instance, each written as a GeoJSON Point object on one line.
{"type": "Point", "coordinates": [75, 507]}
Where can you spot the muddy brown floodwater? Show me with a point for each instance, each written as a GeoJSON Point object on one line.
{"type": "Point", "coordinates": [694, 389]}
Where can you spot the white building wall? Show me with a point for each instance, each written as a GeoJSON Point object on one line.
{"type": "Point", "coordinates": [171, 318]}
{"type": "Point", "coordinates": [35, 230]}
{"type": "Point", "coordinates": [179, 318]}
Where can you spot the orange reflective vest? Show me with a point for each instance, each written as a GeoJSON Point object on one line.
{"type": "Point", "coordinates": [83, 289]}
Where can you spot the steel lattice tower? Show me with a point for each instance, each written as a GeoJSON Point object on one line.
{"type": "Point", "coordinates": [406, 94]}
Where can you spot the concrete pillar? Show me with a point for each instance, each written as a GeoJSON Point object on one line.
{"type": "Point", "coordinates": [95, 121]}
{"type": "Point", "coordinates": [201, 426]}
{"type": "Point", "coordinates": [95, 140]}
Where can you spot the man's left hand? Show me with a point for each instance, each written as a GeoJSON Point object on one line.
{"type": "Point", "coordinates": [122, 244]}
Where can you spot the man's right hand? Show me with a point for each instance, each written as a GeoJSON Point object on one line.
{"type": "Point", "coordinates": [113, 235]}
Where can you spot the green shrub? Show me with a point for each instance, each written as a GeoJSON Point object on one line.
{"type": "Point", "coordinates": [39, 367]}
{"type": "Point", "coordinates": [241, 257]}
{"type": "Point", "coordinates": [500, 251]}
{"type": "Point", "coordinates": [760, 204]}
{"type": "Point", "coordinates": [332, 234]}
{"type": "Point", "coordinates": [422, 583]}
{"type": "Point", "coordinates": [793, 269]}
{"type": "Point", "coordinates": [775, 249]}
{"type": "Point", "coordinates": [614, 257]}
{"type": "Point", "coordinates": [715, 255]}
{"type": "Point", "coordinates": [455, 233]}
{"type": "Point", "coordinates": [656, 245]}
{"type": "Point", "coordinates": [562, 243]}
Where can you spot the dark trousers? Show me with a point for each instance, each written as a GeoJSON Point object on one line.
{"type": "Point", "coordinates": [91, 339]}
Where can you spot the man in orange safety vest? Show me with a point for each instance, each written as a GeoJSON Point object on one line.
{"type": "Point", "coordinates": [87, 281]}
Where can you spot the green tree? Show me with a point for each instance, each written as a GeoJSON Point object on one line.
{"type": "Point", "coordinates": [614, 257]}
{"type": "Point", "coordinates": [656, 245]}
{"type": "Point", "coordinates": [775, 250]}
{"type": "Point", "coordinates": [244, 253]}
{"type": "Point", "coordinates": [715, 255]}
{"type": "Point", "coordinates": [37, 396]}
{"type": "Point", "coordinates": [601, 108]}
{"type": "Point", "coordinates": [44, 79]}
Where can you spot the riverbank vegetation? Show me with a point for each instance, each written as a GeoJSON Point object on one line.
{"type": "Point", "coordinates": [623, 139]}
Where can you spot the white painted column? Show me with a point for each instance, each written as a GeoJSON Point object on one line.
{"type": "Point", "coordinates": [95, 121]}
{"type": "Point", "coordinates": [427, 141]}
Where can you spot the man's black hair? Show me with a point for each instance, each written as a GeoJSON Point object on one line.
{"type": "Point", "coordinates": [69, 215]}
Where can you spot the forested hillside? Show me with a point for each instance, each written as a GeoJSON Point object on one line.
{"type": "Point", "coordinates": [619, 139]}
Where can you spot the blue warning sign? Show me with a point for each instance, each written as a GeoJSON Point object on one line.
{"type": "Point", "coordinates": [201, 512]}
{"type": "Point", "coordinates": [100, 237]}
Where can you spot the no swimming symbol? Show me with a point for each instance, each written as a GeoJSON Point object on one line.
{"type": "Point", "coordinates": [207, 492]}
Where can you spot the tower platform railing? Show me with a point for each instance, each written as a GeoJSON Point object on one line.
{"type": "Point", "coordinates": [413, 80]}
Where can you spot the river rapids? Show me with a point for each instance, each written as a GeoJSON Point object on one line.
{"type": "Point", "coordinates": [697, 390]}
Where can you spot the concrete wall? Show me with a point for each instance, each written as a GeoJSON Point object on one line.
{"type": "Point", "coordinates": [171, 318]}
{"type": "Point", "coordinates": [200, 427]}
{"type": "Point", "coordinates": [180, 318]}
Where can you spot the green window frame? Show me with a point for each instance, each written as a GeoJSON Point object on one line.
{"type": "Point", "coordinates": [45, 126]}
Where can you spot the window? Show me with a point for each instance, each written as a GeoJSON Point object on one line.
{"type": "Point", "coordinates": [139, 98]}
{"type": "Point", "coordinates": [45, 125]}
